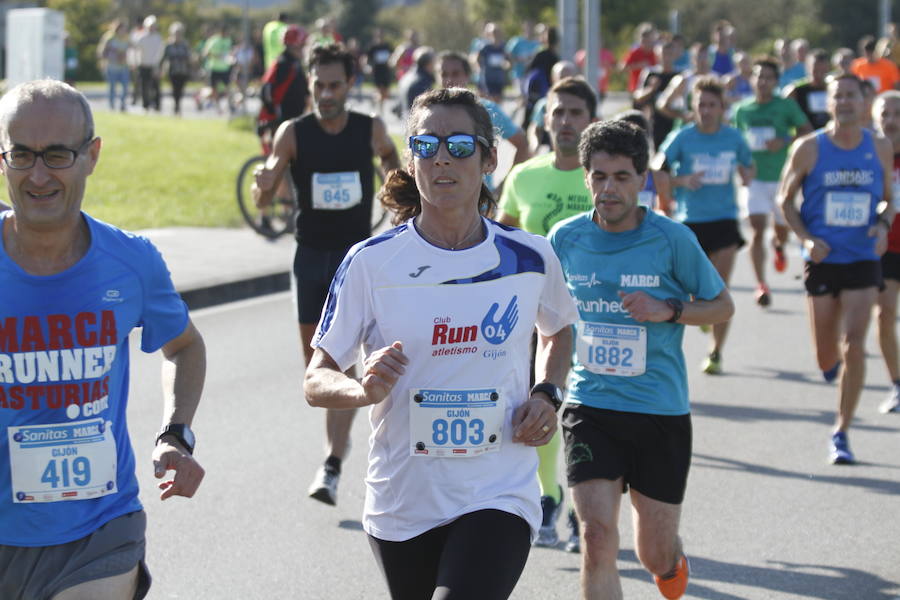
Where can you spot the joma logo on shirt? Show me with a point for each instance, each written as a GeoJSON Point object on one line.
{"type": "Point", "coordinates": [639, 281]}
{"type": "Point", "coordinates": [849, 177]}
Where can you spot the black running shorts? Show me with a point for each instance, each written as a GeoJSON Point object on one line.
{"type": "Point", "coordinates": [830, 278]}
{"type": "Point", "coordinates": [651, 453]}
{"type": "Point", "coordinates": [890, 265]}
{"type": "Point", "coordinates": [313, 271]}
{"type": "Point", "coordinates": [716, 235]}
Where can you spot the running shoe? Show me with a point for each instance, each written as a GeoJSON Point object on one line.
{"type": "Point", "coordinates": [574, 543]}
{"type": "Point", "coordinates": [892, 403]}
{"type": "Point", "coordinates": [324, 486]}
{"type": "Point", "coordinates": [673, 586]}
{"type": "Point", "coordinates": [832, 373]}
{"type": "Point", "coordinates": [547, 536]}
{"type": "Point", "coordinates": [763, 297]}
{"type": "Point", "coordinates": [713, 364]}
{"type": "Point", "coordinates": [780, 259]}
{"type": "Point", "coordinates": [840, 450]}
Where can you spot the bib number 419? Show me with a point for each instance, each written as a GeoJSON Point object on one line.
{"type": "Point", "coordinates": [62, 472]}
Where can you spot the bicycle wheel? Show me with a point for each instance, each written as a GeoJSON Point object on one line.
{"type": "Point", "coordinates": [272, 221]}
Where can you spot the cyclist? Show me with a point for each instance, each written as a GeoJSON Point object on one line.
{"type": "Point", "coordinates": [285, 91]}
{"type": "Point", "coordinates": [329, 156]}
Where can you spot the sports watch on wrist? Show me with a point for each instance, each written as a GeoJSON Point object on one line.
{"type": "Point", "coordinates": [182, 434]}
{"type": "Point", "coordinates": [677, 307]}
{"type": "Point", "coordinates": [553, 392]}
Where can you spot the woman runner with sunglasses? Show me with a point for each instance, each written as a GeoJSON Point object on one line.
{"type": "Point", "coordinates": [444, 306]}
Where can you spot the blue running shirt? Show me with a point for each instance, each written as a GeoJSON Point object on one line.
{"type": "Point", "coordinates": [688, 150]}
{"type": "Point", "coordinates": [840, 198]}
{"type": "Point", "coordinates": [620, 364]}
{"type": "Point", "coordinates": [66, 462]}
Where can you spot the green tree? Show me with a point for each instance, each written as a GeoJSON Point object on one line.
{"type": "Point", "coordinates": [442, 24]}
{"type": "Point", "coordinates": [85, 23]}
{"type": "Point", "coordinates": [354, 19]}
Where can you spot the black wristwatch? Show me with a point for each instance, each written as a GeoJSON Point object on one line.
{"type": "Point", "coordinates": [677, 307]}
{"type": "Point", "coordinates": [553, 392]}
{"type": "Point", "coordinates": [182, 433]}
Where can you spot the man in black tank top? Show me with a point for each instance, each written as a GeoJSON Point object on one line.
{"type": "Point", "coordinates": [329, 154]}
{"type": "Point", "coordinates": [811, 92]}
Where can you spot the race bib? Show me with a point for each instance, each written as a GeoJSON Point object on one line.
{"type": "Point", "coordinates": [382, 57]}
{"type": "Point", "coordinates": [455, 423]}
{"type": "Point", "coordinates": [847, 209]}
{"type": "Point", "coordinates": [336, 191]}
{"type": "Point", "coordinates": [610, 349]}
{"type": "Point", "coordinates": [758, 136]}
{"type": "Point", "coordinates": [716, 169]}
{"type": "Point", "coordinates": [816, 102]}
{"type": "Point", "coordinates": [62, 461]}
{"type": "Point", "coordinates": [875, 80]}
{"type": "Point", "coordinates": [496, 60]}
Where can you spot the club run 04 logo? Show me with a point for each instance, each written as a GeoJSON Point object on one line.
{"type": "Point", "coordinates": [450, 339]}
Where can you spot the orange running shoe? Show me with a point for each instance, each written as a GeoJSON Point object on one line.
{"type": "Point", "coordinates": [780, 260]}
{"type": "Point", "coordinates": [673, 587]}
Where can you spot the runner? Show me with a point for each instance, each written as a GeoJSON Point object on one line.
{"type": "Point", "coordinates": [810, 93]}
{"type": "Point", "coordinates": [887, 122]}
{"type": "Point", "coordinates": [881, 72]}
{"type": "Point", "coordinates": [843, 222]}
{"type": "Point", "coordinates": [444, 306]}
{"type": "Point", "coordinates": [537, 194]}
{"type": "Point", "coordinates": [637, 279]}
{"type": "Point", "coordinates": [654, 80]}
{"type": "Point", "coordinates": [328, 153]}
{"type": "Point", "coordinates": [640, 56]}
{"type": "Point", "coordinates": [705, 157]}
{"type": "Point", "coordinates": [454, 71]}
{"type": "Point", "coordinates": [72, 289]}
{"type": "Point", "coordinates": [769, 123]}
{"type": "Point", "coordinates": [377, 64]}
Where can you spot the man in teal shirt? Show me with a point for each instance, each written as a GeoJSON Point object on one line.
{"type": "Point", "coordinates": [770, 124]}
{"type": "Point", "coordinates": [637, 278]}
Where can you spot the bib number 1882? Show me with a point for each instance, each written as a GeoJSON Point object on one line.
{"type": "Point", "coordinates": [612, 356]}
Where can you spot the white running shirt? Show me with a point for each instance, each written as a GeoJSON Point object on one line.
{"type": "Point", "coordinates": [441, 443]}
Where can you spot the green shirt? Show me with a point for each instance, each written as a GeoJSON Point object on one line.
{"type": "Point", "coordinates": [538, 194]}
{"type": "Point", "coordinates": [217, 50]}
{"type": "Point", "coordinates": [272, 35]}
{"type": "Point", "coordinates": [777, 118]}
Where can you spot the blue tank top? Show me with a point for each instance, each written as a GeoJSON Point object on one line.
{"type": "Point", "coordinates": [841, 196]}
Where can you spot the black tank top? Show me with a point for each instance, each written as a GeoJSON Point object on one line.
{"type": "Point", "coordinates": [330, 216]}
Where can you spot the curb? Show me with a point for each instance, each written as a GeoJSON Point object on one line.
{"type": "Point", "coordinates": [236, 290]}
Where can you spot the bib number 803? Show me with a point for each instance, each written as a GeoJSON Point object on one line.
{"type": "Point", "coordinates": [59, 472]}
{"type": "Point", "coordinates": [612, 356]}
{"type": "Point", "coordinates": [457, 431]}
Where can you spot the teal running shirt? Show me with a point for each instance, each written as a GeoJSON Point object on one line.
{"type": "Point", "coordinates": [620, 364]}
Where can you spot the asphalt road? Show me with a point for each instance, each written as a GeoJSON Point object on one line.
{"type": "Point", "coordinates": [765, 516]}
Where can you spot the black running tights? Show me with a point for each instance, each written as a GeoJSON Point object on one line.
{"type": "Point", "coordinates": [479, 556]}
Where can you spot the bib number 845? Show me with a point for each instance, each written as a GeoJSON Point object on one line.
{"type": "Point", "coordinates": [457, 431]}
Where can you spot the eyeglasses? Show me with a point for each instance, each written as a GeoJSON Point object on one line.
{"type": "Point", "coordinates": [459, 145]}
{"type": "Point", "coordinates": [54, 158]}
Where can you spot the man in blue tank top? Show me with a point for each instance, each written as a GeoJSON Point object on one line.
{"type": "Point", "coordinates": [71, 290]}
{"type": "Point", "coordinates": [843, 172]}
{"type": "Point", "coordinates": [328, 154]}
{"type": "Point", "coordinates": [637, 278]}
